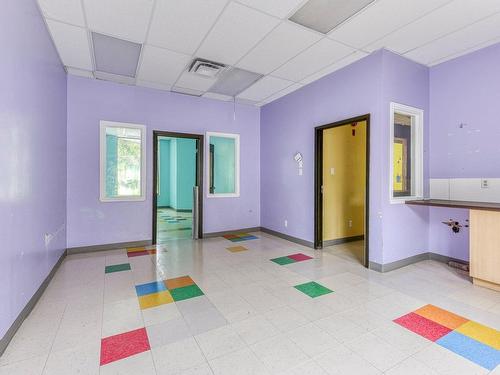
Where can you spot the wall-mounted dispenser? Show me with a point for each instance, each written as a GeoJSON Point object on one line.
{"type": "Point", "coordinates": [298, 158]}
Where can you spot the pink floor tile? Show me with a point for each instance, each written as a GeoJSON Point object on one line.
{"type": "Point", "coordinates": [422, 326]}
{"type": "Point", "coordinates": [299, 257]}
{"type": "Point", "coordinates": [124, 345]}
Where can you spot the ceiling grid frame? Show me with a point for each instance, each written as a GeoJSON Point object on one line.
{"type": "Point", "coordinates": [485, 36]}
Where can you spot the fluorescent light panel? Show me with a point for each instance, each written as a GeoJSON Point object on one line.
{"type": "Point", "coordinates": [234, 81]}
{"type": "Point", "coordinates": [115, 56]}
{"type": "Point", "coordinates": [324, 15]}
{"type": "Point", "coordinates": [186, 91]}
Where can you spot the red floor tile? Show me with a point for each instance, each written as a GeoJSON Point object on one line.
{"type": "Point", "coordinates": [422, 326]}
{"type": "Point", "coordinates": [299, 257]}
{"type": "Point", "coordinates": [137, 253]}
{"type": "Point", "coordinates": [124, 345]}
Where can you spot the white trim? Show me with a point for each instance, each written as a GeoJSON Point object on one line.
{"type": "Point", "coordinates": [102, 162]}
{"type": "Point", "coordinates": [236, 137]}
{"type": "Point", "coordinates": [418, 145]}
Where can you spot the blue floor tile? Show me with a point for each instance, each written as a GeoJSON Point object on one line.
{"type": "Point", "coordinates": [473, 350]}
{"type": "Point", "coordinates": [150, 288]}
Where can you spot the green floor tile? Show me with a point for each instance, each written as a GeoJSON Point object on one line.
{"type": "Point", "coordinates": [313, 289]}
{"type": "Point", "coordinates": [186, 292]}
{"type": "Point", "coordinates": [283, 260]}
{"type": "Point", "coordinates": [117, 268]}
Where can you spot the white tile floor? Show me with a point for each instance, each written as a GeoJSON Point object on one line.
{"type": "Point", "coordinates": [251, 320]}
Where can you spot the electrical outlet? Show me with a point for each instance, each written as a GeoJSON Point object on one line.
{"type": "Point", "coordinates": [350, 223]}
{"type": "Point", "coordinates": [485, 184]}
{"type": "Point", "coordinates": [286, 223]}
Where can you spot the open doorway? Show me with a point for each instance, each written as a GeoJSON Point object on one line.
{"type": "Point", "coordinates": [178, 192]}
{"type": "Point", "coordinates": [342, 187]}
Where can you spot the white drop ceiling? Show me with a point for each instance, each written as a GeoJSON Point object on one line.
{"type": "Point", "coordinates": [257, 36]}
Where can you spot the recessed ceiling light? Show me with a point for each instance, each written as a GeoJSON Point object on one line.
{"type": "Point", "coordinates": [115, 78]}
{"type": "Point", "coordinates": [234, 81]}
{"type": "Point", "coordinates": [186, 91]}
{"type": "Point", "coordinates": [324, 15]}
{"type": "Point", "coordinates": [115, 56]}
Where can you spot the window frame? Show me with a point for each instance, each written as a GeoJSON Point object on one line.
{"type": "Point", "coordinates": [103, 125]}
{"type": "Point", "coordinates": [236, 138]}
{"type": "Point", "coordinates": [418, 146]}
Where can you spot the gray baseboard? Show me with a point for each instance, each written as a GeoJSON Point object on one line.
{"type": "Point", "coordinates": [234, 231]}
{"type": "Point", "coordinates": [5, 340]}
{"type": "Point", "coordinates": [387, 267]}
{"type": "Point", "coordinates": [339, 241]}
{"type": "Point", "coordinates": [111, 246]}
{"type": "Point", "coordinates": [299, 241]}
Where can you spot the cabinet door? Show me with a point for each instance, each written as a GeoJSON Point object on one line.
{"type": "Point", "coordinates": [485, 245]}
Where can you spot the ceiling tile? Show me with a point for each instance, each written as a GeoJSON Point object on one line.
{"type": "Point", "coordinates": [462, 40]}
{"type": "Point", "coordinates": [278, 8]}
{"type": "Point", "coordinates": [280, 45]}
{"type": "Point", "coordinates": [477, 47]}
{"type": "Point", "coordinates": [69, 11]}
{"type": "Point", "coordinates": [161, 65]}
{"type": "Point", "coordinates": [72, 43]}
{"type": "Point", "coordinates": [195, 81]}
{"type": "Point", "coordinates": [316, 57]}
{"type": "Point", "coordinates": [79, 72]}
{"type": "Point", "coordinates": [264, 88]}
{"type": "Point", "coordinates": [442, 21]}
{"type": "Point", "coordinates": [153, 85]}
{"type": "Point", "coordinates": [245, 101]}
{"type": "Point", "coordinates": [281, 93]}
{"type": "Point", "coordinates": [182, 25]}
{"type": "Point", "coordinates": [238, 29]}
{"type": "Point", "coordinates": [127, 19]}
{"type": "Point", "coordinates": [212, 95]}
{"type": "Point", "coordinates": [353, 57]}
{"type": "Point", "coordinates": [381, 18]}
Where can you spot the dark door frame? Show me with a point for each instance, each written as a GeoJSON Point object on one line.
{"type": "Point", "coordinates": [318, 182]}
{"type": "Point", "coordinates": [199, 173]}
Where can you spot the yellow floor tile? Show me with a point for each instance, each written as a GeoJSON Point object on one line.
{"type": "Point", "coordinates": [135, 249]}
{"type": "Point", "coordinates": [236, 249]}
{"type": "Point", "coordinates": [155, 299]}
{"type": "Point", "coordinates": [478, 332]}
{"type": "Point", "coordinates": [440, 316]}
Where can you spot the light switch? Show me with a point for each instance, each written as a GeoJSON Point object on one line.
{"type": "Point", "coordinates": [332, 171]}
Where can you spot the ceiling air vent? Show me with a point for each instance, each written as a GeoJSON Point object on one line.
{"type": "Point", "coordinates": [206, 68]}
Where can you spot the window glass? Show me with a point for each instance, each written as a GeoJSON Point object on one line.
{"type": "Point", "coordinates": [406, 153]}
{"type": "Point", "coordinates": [223, 164]}
{"type": "Point", "coordinates": [123, 164]}
{"type": "Point", "coordinates": [402, 155]}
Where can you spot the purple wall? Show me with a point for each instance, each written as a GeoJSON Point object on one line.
{"type": "Point", "coordinates": [32, 156]}
{"type": "Point", "coordinates": [405, 228]}
{"type": "Point", "coordinates": [464, 90]}
{"type": "Point", "coordinates": [91, 222]}
{"type": "Point", "coordinates": [287, 126]}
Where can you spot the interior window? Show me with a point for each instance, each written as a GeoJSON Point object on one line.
{"type": "Point", "coordinates": [223, 168]}
{"type": "Point", "coordinates": [406, 153]}
{"type": "Point", "coordinates": [122, 161]}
